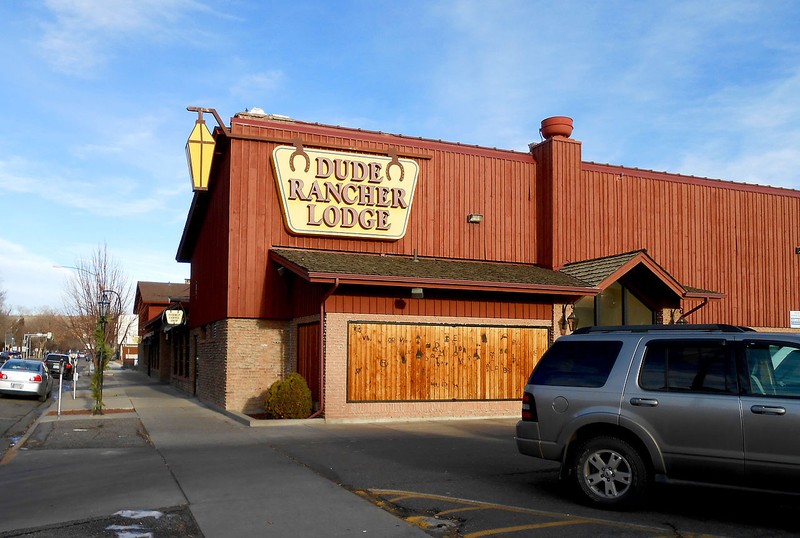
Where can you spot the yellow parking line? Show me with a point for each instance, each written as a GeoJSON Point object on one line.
{"type": "Point", "coordinates": [469, 504]}
{"type": "Point", "coordinates": [403, 497]}
{"type": "Point", "coordinates": [504, 530]}
{"type": "Point", "coordinates": [465, 509]}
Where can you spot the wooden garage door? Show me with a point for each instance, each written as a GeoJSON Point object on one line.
{"type": "Point", "coordinates": [410, 362]}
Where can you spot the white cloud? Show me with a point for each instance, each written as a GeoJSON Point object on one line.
{"type": "Point", "coordinates": [78, 40]}
{"type": "Point", "coordinates": [106, 196]}
{"type": "Point", "coordinates": [258, 86]}
{"type": "Point", "coordinates": [30, 280]}
{"type": "Point", "coordinates": [33, 281]}
{"type": "Point", "coordinates": [748, 134]}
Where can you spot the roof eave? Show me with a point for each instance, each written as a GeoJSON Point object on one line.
{"type": "Point", "coordinates": [711, 295]}
{"type": "Point", "coordinates": [648, 262]}
{"type": "Point", "coordinates": [433, 283]}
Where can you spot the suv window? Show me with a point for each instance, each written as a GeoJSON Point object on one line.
{"type": "Point", "coordinates": [774, 368]}
{"type": "Point", "coordinates": [574, 364]}
{"type": "Point", "coordinates": [688, 366]}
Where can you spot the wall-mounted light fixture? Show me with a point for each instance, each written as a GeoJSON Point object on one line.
{"type": "Point", "coordinates": [200, 152]}
{"type": "Point", "coordinates": [568, 322]}
{"type": "Point", "coordinates": [676, 316]}
{"type": "Point", "coordinates": [797, 250]}
{"type": "Point", "coordinates": [417, 293]}
{"type": "Point", "coordinates": [474, 218]}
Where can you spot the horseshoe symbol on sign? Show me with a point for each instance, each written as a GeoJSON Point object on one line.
{"type": "Point", "coordinates": [299, 151]}
{"type": "Point", "coordinates": [395, 161]}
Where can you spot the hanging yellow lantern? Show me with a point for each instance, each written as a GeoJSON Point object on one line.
{"type": "Point", "coordinates": [200, 153]}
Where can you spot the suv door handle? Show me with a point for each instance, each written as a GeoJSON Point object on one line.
{"type": "Point", "coordinates": [644, 402]}
{"type": "Point", "coordinates": [768, 410]}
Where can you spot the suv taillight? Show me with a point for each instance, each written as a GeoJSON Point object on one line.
{"type": "Point", "coordinates": [529, 408]}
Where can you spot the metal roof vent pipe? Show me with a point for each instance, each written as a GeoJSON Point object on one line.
{"type": "Point", "coordinates": [556, 126]}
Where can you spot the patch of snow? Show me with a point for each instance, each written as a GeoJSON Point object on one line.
{"type": "Point", "coordinates": [130, 531]}
{"type": "Point", "coordinates": [139, 514]}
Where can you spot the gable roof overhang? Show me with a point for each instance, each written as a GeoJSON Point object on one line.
{"type": "Point", "coordinates": [160, 294]}
{"type": "Point", "coordinates": [446, 274]}
{"type": "Point", "coordinates": [638, 271]}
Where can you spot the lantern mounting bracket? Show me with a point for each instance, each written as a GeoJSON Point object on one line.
{"type": "Point", "coordinates": [201, 110]}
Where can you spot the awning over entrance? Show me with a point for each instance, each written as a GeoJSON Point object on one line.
{"type": "Point", "coordinates": [638, 271]}
{"type": "Point", "coordinates": [390, 270]}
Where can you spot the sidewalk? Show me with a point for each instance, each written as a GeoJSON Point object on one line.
{"type": "Point", "coordinates": [154, 448]}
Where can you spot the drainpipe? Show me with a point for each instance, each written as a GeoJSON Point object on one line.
{"type": "Point", "coordinates": [330, 292]}
{"type": "Point", "coordinates": [695, 309]}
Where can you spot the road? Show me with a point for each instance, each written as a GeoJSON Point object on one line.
{"type": "Point", "coordinates": [17, 413]}
{"type": "Point", "coordinates": [466, 476]}
{"type": "Point", "coordinates": [453, 478]}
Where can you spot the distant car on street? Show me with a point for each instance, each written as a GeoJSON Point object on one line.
{"type": "Point", "coordinates": [60, 365]}
{"type": "Point", "coordinates": [25, 377]}
{"type": "Point", "coordinates": [5, 355]}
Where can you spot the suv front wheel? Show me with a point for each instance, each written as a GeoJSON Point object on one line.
{"type": "Point", "coordinates": [608, 471]}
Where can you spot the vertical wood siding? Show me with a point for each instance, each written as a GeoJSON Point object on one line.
{"type": "Point", "coordinates": [453, 183]}
{"type": "Point", "coordinates": [472, 307]}
{"type": "Point", "coordinates": [719, 236]}
{"type": "Point", "coordinates": [210, 270]}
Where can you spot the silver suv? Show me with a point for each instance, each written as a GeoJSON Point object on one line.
{"type": "Point", "coordinates": [620, 407]}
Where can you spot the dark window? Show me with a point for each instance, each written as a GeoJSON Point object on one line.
{"type": "Point", "coordinates": [773, 368]}
{"type": "Point", "coordinates": [577, 364]}
{"type": "Point", "coordinates": [180, 353]}
{"type": "Point", "coordinates": [688, 366]}
{"type": "Point", "coordinates": [616, 305]}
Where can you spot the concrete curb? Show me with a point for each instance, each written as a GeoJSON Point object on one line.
{"type": "Point", "coordinates": [12, 450]}
{"type": "Point", "coordinates": [262, 423]}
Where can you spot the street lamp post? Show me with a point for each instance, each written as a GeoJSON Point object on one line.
{"type": "Point", "coordinates": [13, 331]}
{"type": "Point", "coordinates": [103, 308]}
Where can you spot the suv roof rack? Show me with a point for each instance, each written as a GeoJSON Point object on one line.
{"type": "Point", "coordinates": [704, 327]}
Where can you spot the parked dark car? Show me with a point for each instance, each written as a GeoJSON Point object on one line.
{"type": "Point", "coordinates": [25, 377]}
{"type": "Point", "coordinates": [5, 355]}
{"type": "Point", "coordinates": [620, 407]}
{"type": "Point", "coordinates": [60, 365]}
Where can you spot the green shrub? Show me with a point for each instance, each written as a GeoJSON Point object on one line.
{"type": "Point", "coordinates": [289, 398]}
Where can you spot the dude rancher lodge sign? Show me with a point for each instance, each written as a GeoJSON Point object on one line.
{"type": "Point", "coordinates": [344, 194]}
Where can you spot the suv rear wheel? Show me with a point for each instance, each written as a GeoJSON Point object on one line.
{"type": "Point", "coordinates": [608, 471]}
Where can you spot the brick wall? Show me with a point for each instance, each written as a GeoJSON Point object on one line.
{"type": "Point", "coordinates": [211, 363]}
{"type": "Point", "coordinates": [257, 356]}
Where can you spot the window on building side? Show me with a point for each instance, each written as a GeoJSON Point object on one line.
{"type": "Point", "coordinates": [616, 305]}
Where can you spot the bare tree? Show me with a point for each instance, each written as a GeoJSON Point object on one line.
{"type": "Point", "coordinates": [4, 310]}
{"type": "Point", "coordinates": [49, 321]}
{"type": "Point", "coordinates": [95, 298]}
{"type": "Point", "coordinates": [92, 277]}
{"type": "Point", "coordinates": [5, 317]}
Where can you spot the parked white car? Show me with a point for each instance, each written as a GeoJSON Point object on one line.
{"type": "Point", "coordinates": [25, 377]}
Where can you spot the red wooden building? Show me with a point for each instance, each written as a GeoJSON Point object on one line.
{"type": "Point", "coordinates": [406, 277]}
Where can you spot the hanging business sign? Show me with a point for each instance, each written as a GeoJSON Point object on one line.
{"type": "Point", "coordinates": [173, 317]}
{"type": "Point", "coordinates": [335, 193]}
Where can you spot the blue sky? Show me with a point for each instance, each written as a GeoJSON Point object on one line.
{"type": "Point", "coordinates": [94, 97]}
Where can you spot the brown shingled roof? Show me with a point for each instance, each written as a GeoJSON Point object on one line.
{"type": "Point", "coordinates": [388, 270]}
{"type": "Point", "coordinates": [595, 271]}
{"type": "Point", "coordinates": [161, 292]}
{"type": "Point", "coordinates": [599, 272]}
